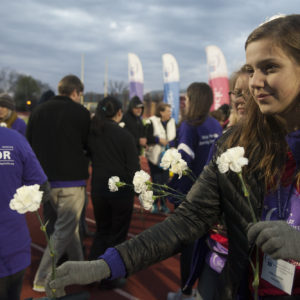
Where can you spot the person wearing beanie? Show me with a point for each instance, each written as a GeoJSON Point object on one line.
{"type": "Point", "coordinates": [133, 122]}
{"type": "Point", "coordinates": [47, 95]}
{"type": "Point", "coordinates": [8, 115]}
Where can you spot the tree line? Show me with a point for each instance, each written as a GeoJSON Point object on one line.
{"type": "Point", "coordinates": [27, 90]}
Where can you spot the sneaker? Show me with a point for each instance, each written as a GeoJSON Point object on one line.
{"type": "Point", "coordinates": [154, 209]}
{"type": "Point", "coordinates": [179, 296]}
{"type": "Point", "coordinates": [38, 288]}
{"type": "Point", "coordinates": [164, 209]}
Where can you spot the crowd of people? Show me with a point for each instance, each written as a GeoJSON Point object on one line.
{"type": "Point", "coordinates": [232, 226]}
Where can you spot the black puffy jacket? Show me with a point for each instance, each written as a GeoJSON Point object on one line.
{"type": "Point", "coordinates": [213, 194]}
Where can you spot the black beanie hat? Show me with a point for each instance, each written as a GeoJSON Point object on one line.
{"type": "Point", "coordinates": [7, 101]}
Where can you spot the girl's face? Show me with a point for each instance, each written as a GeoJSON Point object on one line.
{"type": "Point", "coordinates": [274, 78]}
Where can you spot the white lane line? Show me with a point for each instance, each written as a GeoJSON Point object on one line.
{"type": "Point", "coordinates": [90, 220]}
{"type": "Point", "coordinates": [125, 294]}
{"type": "Point", "coordinates": [37, 247]}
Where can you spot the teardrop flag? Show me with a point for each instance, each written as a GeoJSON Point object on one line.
{"type": "Point", "coordinates": [218, 76]}
{"type": "Point", "coordinates": [171, 83]}
{"type": "Point", "coordinates": [136, 77]}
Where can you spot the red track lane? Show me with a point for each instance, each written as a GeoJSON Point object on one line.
{"type": "Point", "coordinates": [151, 284]}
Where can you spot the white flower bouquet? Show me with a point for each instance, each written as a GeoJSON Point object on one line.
{"type": "Point", "coordinates": [145, 188]}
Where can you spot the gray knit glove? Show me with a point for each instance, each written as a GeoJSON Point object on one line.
{"type": "Point", "coordinates": [276, 238]}
{"type": "Point", "coordinates": [76, 272]}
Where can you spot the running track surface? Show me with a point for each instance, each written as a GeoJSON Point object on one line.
{"type": "Point", "coordinates": [152, 283]}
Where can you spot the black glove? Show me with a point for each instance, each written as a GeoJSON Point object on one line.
{"type": "Point", "coordinates": [276, 238]}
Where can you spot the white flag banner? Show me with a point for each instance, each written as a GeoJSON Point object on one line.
{"type": "Point", "coordinates": [171, 83]}
{"type": "Point", "coordinates": [136, 76]}
{"type": "Point", "coordinates": [218, 76]}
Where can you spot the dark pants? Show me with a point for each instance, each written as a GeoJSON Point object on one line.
{"type": "Point", "coordinates": [11, 286]}
{"type": "Point", "coordinates": [113, 216]}
{"type": "Point", "coordinates": [208, 281]}
{"type": "Point", "coordinates": [159, 176]}
{"type": "Point", "coordinates": [185, 267]}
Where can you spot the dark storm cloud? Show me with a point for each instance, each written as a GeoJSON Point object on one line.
{"type": "Point", "coordinates": [46, 39]}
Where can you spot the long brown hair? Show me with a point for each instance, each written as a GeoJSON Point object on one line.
{"type": "Point", "coordinates": [263, 136]}
{"type": "Point", "coordinates": [200, 100]}
{"type": "Point", "coordinates": [161, 107]}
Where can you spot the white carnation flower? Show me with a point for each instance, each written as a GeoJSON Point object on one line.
{"type": "Point", "coordinates": [112, 183]}
{"type": "Point", "coordinates": [146, 199]}
{"type": "Point", "coordinates": [26, 198]}
{"type": "Point", "coordinates": [146, 122]}
{"type": "Point", "coordinates": [179, 167]}
{"type": "Point", "coordinates": [139, 181]}
{"type": "Point", "coordinates": [232, 159]}
{"type": "Point", "coordinates": [171, 156]}
{"type": "Point", "coordinates": [3, 124]}
{"type": "Point", "coordinates": [122, 124]}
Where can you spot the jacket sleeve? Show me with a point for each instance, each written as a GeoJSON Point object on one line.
{"type": "Point", "coordinates": [29, 129]}
{"type": "Point", "coordinates": [151, 139]}
{"type": "Point", "coordinates": [132, 157]}
{"type": "Point", "coordinates": [190, 221]}
{"type": "Point", "coordinates": [86, 120]}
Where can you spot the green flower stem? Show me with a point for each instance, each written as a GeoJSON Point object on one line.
{"type": "Point", "coordinates": [255, 282]}
{"type": "Point", "coordinates": [168, 194]}
{"type": "Point", "coordinates": [51, 250]}
{"type": "Point", "coordinates": [247, 195]}
{"type": "Point", "coordinates": [255, 268]}
{"type": "Point", "coordinates": [190, 174]}
{"type": "Point", "coordinates": [164, 186]}
{"type": "Point", "coordinates": [121, 184]}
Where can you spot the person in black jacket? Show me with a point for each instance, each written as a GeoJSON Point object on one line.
{"type": "Point", "coordinates": [58, 131]}
{"type": "Point", "coordinates": [113, 153]}
{"type": "Point", "coordinates": [133, 122]}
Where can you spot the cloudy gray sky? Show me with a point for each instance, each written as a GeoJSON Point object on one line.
{"type": "Point", "coordinates": [46, 38]}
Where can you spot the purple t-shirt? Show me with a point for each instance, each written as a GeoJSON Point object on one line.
{"type": "Point", "coordinates": [194, 144]}
{"type": "Point", "coordinates": [18, 166]}
{"type": "Point", "coordinates": [19, 125]}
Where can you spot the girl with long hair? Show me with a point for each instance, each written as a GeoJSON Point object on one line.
{"type": "Point", "coordinates": [270, 135]}
{"type": "Point", "coordinates": [195, 136]}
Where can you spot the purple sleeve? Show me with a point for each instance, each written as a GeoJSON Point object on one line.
{"type": "Point", "coordinates": [20, 126]}
{"type": "Point", "coordinates": [187, 142]}
{"type": "Point", "coordinates": [115, 263]}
